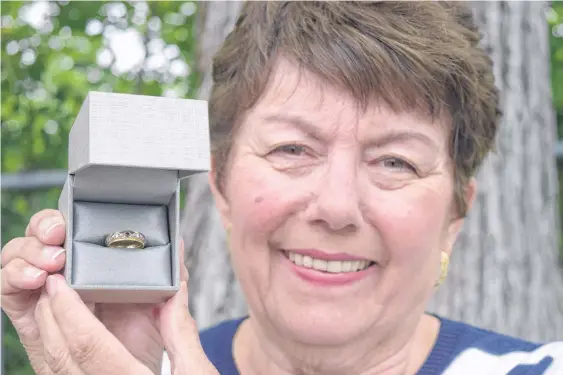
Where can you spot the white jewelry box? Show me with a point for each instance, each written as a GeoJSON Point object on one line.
{"type": "Point", "coordinates": [127, 155]}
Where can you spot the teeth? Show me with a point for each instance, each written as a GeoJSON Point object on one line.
{"type": "Point", "coordinates": [355, 265]}
{"type": "Point", "coordinates": [320, 264]}
{"type": "Point", "coordinates": [333, 266]}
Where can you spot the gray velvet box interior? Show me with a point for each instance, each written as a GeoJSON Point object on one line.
{"type": "Point", "coordinates": [100, 265]}
{"type": "Point", "coordinates": [107, 184]}
{"type": "Point", "coordinates": [95, 264]}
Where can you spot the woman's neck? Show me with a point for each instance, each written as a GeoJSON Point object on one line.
{"type": "Point", "coordinates": [402, 354]}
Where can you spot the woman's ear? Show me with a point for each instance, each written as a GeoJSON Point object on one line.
{"type": "Point", "coordinates": [456, 224]}
{"type": "Point", "coordinates": [471, 193]}
{"type": "Point", "coordinates": [219, 197]}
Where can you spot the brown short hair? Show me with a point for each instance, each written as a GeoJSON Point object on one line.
{"type": "Point", "coordinates": [422, 56]}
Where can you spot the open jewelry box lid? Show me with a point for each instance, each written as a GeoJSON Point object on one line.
{"type": "Point", "coordinates": [167, 138]}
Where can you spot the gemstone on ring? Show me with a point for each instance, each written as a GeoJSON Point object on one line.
{"type": "Point", "coordinates": [128, 239]}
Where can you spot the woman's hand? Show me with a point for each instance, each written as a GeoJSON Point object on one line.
{"type": "Point", "coordinates": [26, 263]}
{"type": "Point", "coordinates": [75, 342]}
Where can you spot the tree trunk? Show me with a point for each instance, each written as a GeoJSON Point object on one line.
{"type": "Point", "coordinates": [214, 294]}
{"type": "Point", "coordinates": [504, 273]}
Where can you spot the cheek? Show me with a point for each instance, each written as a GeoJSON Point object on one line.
{"type": "Point", "coordinates": [412, 221]}
{"type": "Point", "coordinates": [261, 200]}
{"type": "Point", "coordinates": [410, 224]}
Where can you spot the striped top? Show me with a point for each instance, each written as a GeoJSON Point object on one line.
{"type": "Point", "coordinates": [460, 349]}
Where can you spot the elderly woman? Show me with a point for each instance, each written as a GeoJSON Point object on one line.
{"type": "Point", "coordinates": [345, 137]}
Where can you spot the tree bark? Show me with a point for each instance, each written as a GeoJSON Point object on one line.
{"type": "Point", "coordinates": [504, 273]}
{"type": "Point", "coordinates": [214, 294]}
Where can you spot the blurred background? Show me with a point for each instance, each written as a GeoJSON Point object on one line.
{"type": "Point", "coordinates": [53, 53]}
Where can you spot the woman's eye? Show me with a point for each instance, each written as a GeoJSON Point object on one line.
{"type": "Point", "coordinates": [396, 163]}
{"type": "Point", "coordinates": [291, 149]}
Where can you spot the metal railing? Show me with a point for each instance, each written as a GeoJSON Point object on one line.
{"type": "Point", "coordinates": [33, 180]}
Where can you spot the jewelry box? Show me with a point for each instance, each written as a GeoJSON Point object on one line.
{"type": "Point", "coordinates": [127, 155]}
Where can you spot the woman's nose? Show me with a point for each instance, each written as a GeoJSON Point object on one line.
{"type": "Point", "coordinates": [335, 204]}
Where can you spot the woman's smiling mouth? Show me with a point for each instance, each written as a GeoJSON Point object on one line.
{"type": "Point", "coordinates": [327, 269]}
{"type": "Point", "coordinates": [325, 265]}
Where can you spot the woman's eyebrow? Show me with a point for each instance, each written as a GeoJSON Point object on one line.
{"type": "Point", "coordinates": [401, 136]}
{"type": "Point", "coordinates": [298, 121]}
{"type": "Point", "coordinates": [385, 138]}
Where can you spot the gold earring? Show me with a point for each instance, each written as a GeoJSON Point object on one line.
{"type": "Point", "coordinates": [444, 264]}
{"type": "Point", "coordinates": [228, 235]}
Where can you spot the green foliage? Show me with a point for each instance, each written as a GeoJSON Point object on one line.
{"type": "Point", "coordinates": [47, 71]}
{"type": "Point", "coordinates": [555, 20]}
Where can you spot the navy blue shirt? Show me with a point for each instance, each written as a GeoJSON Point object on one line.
{"type": "Point", "coordinates": [460, 349]}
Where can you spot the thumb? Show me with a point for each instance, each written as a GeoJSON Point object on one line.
{"type": "Point", "coordinates": [181, 338]}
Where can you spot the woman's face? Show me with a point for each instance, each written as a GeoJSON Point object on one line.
{"type": "Point", "coordinates": [337, 216]}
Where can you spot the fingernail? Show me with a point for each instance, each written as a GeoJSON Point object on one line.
{"type": "Point", "coordinates": [33, 272]}
{"type": "Point", "coordinates": [52, 285]}
{"type": "Point", "coordinates": [47, 225]}
{"type": "Point", "coordinates": [52, 252]}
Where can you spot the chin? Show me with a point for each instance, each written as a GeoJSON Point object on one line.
{"type": "Point", "coordinates": [312, 313]}
{"type": "Point", "coordinates": [319, 325]}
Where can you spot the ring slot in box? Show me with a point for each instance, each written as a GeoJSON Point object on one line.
{"type": "Point", "coordinates": [94, 221]}
{"type": "Point", "coordinates": [127, 155]}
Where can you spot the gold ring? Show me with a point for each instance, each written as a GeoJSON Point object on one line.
{"type": "Point", "coordinates": [128, 239]}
